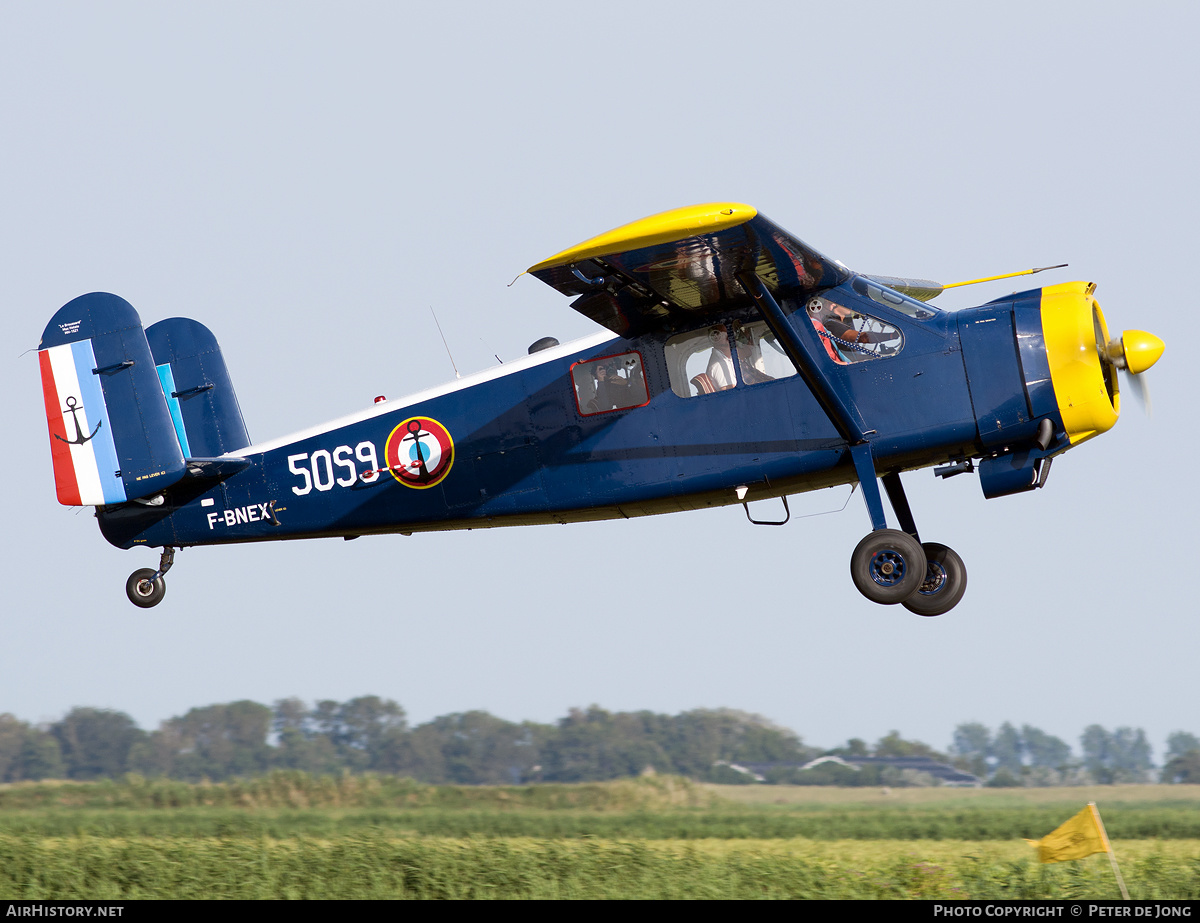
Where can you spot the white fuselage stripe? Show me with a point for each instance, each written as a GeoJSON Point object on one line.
{"type": "Point", "coordinates": [378, 410]}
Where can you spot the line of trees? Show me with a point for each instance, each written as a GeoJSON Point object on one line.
{"type": "Point", "coordinates": [1029, 756]}
{"type": "Point", "coordinates": [371, 734]}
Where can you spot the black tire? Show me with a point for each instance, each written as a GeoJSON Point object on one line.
{"type": "Point", "coordinates": [888, 566]}
{"type": "Point", "coordinates": [142, 591]}
{"type": "Point", "coordinates": [944, 585]}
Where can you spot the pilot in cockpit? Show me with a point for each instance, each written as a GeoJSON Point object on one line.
{"type": "Point", "coordinates": [844, 332]}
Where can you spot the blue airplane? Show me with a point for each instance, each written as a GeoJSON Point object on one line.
{"type": "Point", "coordinates": [736, 363]}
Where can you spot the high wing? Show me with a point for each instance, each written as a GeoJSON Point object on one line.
{"type": "Point", "coordinates": [677, 267]}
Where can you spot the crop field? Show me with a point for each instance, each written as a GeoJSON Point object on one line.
{"type": "Point", "coordinates": [295, 836]}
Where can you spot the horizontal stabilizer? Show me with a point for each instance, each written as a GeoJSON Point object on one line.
{"type": "Point", "coordinates": [111, 437]}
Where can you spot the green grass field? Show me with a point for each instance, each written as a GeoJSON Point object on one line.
{"type": "Point", "coordinates": [290, 835]}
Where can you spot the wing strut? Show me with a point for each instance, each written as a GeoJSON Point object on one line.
{"type": "Point", "coordinates": [803, 346]}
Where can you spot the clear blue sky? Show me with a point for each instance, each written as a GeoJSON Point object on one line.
{"type": "Point", "coordinates": [308, 179]}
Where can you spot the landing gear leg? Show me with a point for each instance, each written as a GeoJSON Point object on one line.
{"type": "Point", "coordinates": [888, 565]}
{"type": "Point", "coordinates": [899, 501]}
{"type": "Point", "coordinates": [945, 574]}
{"type": "Point", "coordinates": [145, 587]}
{"type": "Point", "coordinates": [891, 566]}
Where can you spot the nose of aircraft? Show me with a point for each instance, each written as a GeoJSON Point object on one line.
{"type": "Point", "coordinates": [1084, 359]}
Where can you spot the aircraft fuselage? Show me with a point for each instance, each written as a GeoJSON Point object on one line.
{"type": "Point", "coordinates": [523, 451]}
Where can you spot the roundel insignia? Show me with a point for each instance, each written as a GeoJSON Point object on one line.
{"type": "Point", "coordinates": [419, 452]}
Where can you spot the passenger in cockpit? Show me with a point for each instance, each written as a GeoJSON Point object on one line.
{"type": "Point", "coordinates": [606, 382]}
{"type": "Point", "coordinates": [749, 353]}
{"type": "Point", "coordinates": [720, 361]}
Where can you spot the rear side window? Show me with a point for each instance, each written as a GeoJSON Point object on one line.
{"type": "Point", "coordinates": [610, 383]}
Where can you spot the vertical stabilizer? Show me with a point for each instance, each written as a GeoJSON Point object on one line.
{"type": "Point", "coordinates": [197, 387]}
{"type": "Point", "coordinates": [111, 436]}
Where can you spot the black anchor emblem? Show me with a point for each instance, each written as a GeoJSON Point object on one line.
{"type": "Point", "coordinates": [80, 439]}
{"type": "Point", "coordinates": [414, 429]}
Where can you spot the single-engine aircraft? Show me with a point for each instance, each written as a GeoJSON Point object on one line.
{"type": "Point", "coordinates": [736, 363]}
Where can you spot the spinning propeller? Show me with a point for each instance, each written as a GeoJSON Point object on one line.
{"type": "Point", "coordinates": [1133, 353]}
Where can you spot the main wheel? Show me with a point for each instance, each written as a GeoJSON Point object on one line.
{"type": "Point", "coordinates": [144, 592]}
{"type": "Point", "coordinates": [945, 582]}
{"type": "Point", "coordinates": [888, 566]}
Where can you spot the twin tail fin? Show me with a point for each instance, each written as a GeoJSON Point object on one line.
{"type": "Point", "coordinates": [127, 409]}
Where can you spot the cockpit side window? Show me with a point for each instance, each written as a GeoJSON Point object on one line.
{"type": "Point", "coordinates": [850, 336]}
{"type": "Point", "coordinates": [760, 356]}
{"type": "Point", "coordinates": [610, 383]}
{"type": "Point", "coordinates": [724, 356]}
{"type": "Point", "coordinates": [700, 362]}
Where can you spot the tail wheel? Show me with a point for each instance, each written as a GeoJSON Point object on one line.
{"type": "Point", "coordinates": [944, 584]}
{"type": "Point", "coordinates": [888, 566]}
{"type": "Point", "coordinates": [143, 590]}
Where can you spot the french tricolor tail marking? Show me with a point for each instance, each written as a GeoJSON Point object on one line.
{"type": "Point", "coordinates": [81, 436]}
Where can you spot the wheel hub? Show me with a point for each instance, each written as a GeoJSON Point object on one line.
{"type": "Point", "coordinates": [935, 579]}
{"type": "Point", "coordinates": [887, 567]}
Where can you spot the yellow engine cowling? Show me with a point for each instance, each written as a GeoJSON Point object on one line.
{"type": "Point", "coordinates": [1084, 361]}
{"type": "Point", "coordinates": [1083, 375]}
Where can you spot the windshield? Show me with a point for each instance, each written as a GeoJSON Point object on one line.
{"type": "Point", "coordinates": [893, 299]}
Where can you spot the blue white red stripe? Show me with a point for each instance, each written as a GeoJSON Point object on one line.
{"type": "Point", "coordinates": [86, 470]}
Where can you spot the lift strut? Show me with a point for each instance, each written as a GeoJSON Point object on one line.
{"type": "Point", "coordinates": [803, 346]}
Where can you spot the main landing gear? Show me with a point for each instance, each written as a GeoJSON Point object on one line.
{"type": "Point", "coordinates": [145, 587]}
{"type": "Point", "coordinates": [889, 566]}
{"type": "Point", "coordinates": [892, 566]}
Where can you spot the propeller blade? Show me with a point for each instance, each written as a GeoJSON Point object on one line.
{"type": "Point", "coordinates": [1141, 388]}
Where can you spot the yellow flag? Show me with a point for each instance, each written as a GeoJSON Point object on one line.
{"type": "Point", "coordinates": [1081, 836]}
